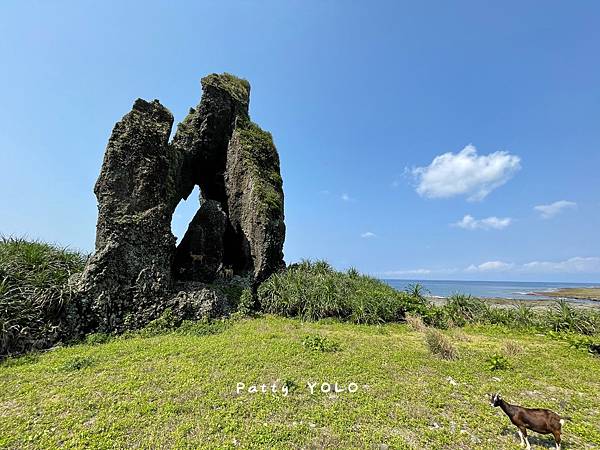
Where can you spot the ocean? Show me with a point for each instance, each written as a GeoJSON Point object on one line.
{"type": "Point", "coordinates": [487, 289]}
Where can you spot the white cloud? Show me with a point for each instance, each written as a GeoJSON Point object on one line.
{"type": "Point", "coordinates": [490, 266]}
{"type": "Point", "coordinates": [407, 272]}
{"type": "Point", "coordinates": [575, 265]}
{"type": "Point", "coordinates": [417, 272]}
{"type": "Point", "coordinates": [551, 210]}
{"type": "Point", "coordinates": [345, 197]}
{"type": "Point", "coordinates": [578, 264]}
{"type": "Point", "coordinates": [368, 235]}
{"type": "Point", "coordinates": [490, 223]}
{"type": "Point", "coordinates": [465, 173]}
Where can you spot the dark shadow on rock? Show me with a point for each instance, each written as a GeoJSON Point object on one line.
{"type": "Point", "coordinates": [238, 230]}
{"type": "Point", "coordinates": [199, 256]}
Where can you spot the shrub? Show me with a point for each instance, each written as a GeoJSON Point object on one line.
{"type": "Point", "coordinates": [77, 363]}
{"type": "Point", "coordinates": [202, 327]}
{"type": "Point", "coordinates": [313, 291]}
{"type": "Point", "coordinates": [440, 345]}
{"type": "Point", "coordinates": [500, 316]}
{"type": "Point", "coordinates": [320, 343]}
{"type": "Point", "coordinates": [37, 308]}
{"type": "Point", "coordinates": [578, 341]}
{"type": "Point", "coordinates": [417, 291]}
{"type": "Point", "coordinates": [524, 316]}
{"type": "Point", "coordinates": [563, 317]}
{"type": "Point", "coordinates": [463, 309]}
{"type": "Point", "coordinates": [416, 323]}
{"type": "Point", "coordinates": [497, 362]}
{"type": "Point", "coordinates": [97, 338]}
{"type": "Point", "coordinates": [512, 348]}
{"type": "Point", "coordinates": [291, 385]}
{"type": "Point", "coordinates": [245, 304]}
{"type": "Point", "coordinates": [165, 323]}
{"type": "Point", "coordinates": [436, 316]}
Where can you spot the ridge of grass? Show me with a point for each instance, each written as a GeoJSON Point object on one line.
{"type": "Point", "coordinates": [314, 290]}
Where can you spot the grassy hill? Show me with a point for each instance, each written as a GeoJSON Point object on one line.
{"type": "Point", "coordinates": [178, 390]}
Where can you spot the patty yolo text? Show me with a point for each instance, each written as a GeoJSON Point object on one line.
{"type": "Point", "coordinates": [283, 389]}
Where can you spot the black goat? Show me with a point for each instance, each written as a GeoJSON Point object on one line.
{"type": "Point", "coordinates": [541, 421]}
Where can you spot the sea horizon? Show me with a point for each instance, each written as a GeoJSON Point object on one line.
{"type": "Point", "coordinates": [574, 283]}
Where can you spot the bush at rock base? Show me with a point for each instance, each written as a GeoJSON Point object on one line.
{"type": "Point", "coordinates": [314, 290]}
{"type": "Point", "coordinates": [37, 308]}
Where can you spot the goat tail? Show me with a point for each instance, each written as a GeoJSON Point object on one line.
{"type": "Point", "coordinates": [564, 418]}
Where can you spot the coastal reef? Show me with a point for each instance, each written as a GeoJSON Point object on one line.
{"type": "Point", "coordinates": [137, 270]}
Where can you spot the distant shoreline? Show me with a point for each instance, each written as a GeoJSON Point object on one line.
{"type": "Point", "coordinates": [591, 284]}
{"type": "Point", "coordinates": [588, 293]}
{"type": "Point", "coordinates": [534, 302]}
{"type": "Point", "coordinates": [503, 292]}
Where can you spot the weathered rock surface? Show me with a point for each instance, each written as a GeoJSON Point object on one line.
{"type": "Point", "coordinates": [255, 199]}
{"type": "Point", "coordinates": [195, 301]}
{"type": "Point", "coordinates": [200, 254]}
{"type": "Point", "coordinates": [136, 270]}
{"type": "Point", "coordinates": [235, 163]}
{"type": "Point", "coordinates": [202, 137]}
{"type": "Point", "coordinates": [134, 243]}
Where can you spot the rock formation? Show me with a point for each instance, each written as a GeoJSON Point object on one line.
{"type": "Point", "coordinates": [238, 231]}
{"type": "Point", "coordinates": [199, 256]}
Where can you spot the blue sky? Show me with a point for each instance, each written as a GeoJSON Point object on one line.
{"type": "Point", "coordinates": [431, 139]}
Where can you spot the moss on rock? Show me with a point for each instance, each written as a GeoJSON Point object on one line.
{"type": "Point", "coordinates": [238, 88]}
{"type": "Point", "coordinates": [260, 156]}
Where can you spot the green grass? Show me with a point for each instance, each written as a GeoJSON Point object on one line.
{"type": "Point", "coordinates": [313, 290]}
{"type": "Point", "coordinates": [460, 310]}
{"type": "Point", "coordinates": [36, 307]}
{"type": "Point", "coordinates": [178, 390]}
{"type": "Point", "coordinates": [173, 384]}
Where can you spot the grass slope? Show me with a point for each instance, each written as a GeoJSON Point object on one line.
{"type": "Point", "coordinates": [178, 391]}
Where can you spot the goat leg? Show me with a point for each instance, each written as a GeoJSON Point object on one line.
{"type": "Point", "coordinates": [522, 443]}
{"type": "Point", "coordinates": [523, 431]}
{"type": "Point", "coordinates": [556, 434]}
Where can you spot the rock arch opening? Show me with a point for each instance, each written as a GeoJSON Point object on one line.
{"type": "Point", "coordinates": [224, 166]}
{"type": "Point", "coordinates": [184, 213]}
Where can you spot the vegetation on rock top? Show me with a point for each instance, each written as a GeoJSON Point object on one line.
{"type": "Point", "coordinates": [238, 88]}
